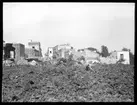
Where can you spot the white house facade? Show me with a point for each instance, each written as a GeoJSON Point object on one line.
{"type": "Point", "coordinates": [123, 55]}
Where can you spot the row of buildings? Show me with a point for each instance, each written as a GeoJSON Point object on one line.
{"type": "Point", "coordinates": [64, 50]}
{"type": "Point", "coordinates": [18, 51]}
{"type": "Point", "coordinates": [59, 51]}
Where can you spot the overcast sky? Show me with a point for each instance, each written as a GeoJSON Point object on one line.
{"type": "Point", "coordinates": [80, 24]}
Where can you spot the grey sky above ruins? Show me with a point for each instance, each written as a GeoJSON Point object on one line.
{"type": "Point", "coordinates": [80, 24]}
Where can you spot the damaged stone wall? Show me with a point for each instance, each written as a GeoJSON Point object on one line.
{"type": "Point", "coordinates": [59, 51]}
{"type": "Point", "coordinates": [7, 49]}
{"type": "Point", "coordinates": [37, 47]}
{"type": "Point", "coordinates": [87, 54]}
{"type": "Point", "coordinates": [125, 56]}
{"type": "Point", "coordinates": [50, 52]}
{"type": "Point", "coordinates": [19, 51]}
{"type": "Point", "coordinates": [108, 60]}
{"type": "Point", "coordinates": [30, 53]}
{"type": "Point", "coordinates": [112, 59]}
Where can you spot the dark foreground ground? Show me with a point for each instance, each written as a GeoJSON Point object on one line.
{"type": "Point", "coordinates": [68, 83]}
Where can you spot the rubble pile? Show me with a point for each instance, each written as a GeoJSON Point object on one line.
{"type": "Point", "coordinates": [22, 62]}
{"type": "Point", "coordinates": [33, 62]}
{"type": "Point", "coordinates": [8, 63]}
{"type": "Point", "coordinates": [108, 60]}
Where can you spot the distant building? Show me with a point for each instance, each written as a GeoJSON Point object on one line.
{"type": "Point", "coordinates": [8, 51]}
{"type": "Point", "coordinates": [30, 53]}
{"type": "Point", "coordinates": [64, 46]}
{"type": "Point", "coordinates": [123, 55]}
{"type": "Point", "coordinates": [115, 56]}
{"type": "Point", "coordinates": [59, 51]}
{"type": "Point", "coordinates": [13, 51]}
{"type": "Point", "coordinates": [50, 52]}
{"type": "Point", "coordinates": [35, 45]}
{"type": "Point", "coordinates": [88, 54]}
{"type": "Point", "coordinates": [34, 50]}
{"type": "Point", "coordinates": [19, 51]}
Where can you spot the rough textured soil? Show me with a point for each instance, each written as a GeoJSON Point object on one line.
{"type": "Point", "coordinates": [68, 83]}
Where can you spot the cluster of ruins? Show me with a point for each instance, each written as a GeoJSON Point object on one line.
{"type": "Point", "coordinates": [90, 55]}
{"type": "Point", "coordinates": [17, 52]}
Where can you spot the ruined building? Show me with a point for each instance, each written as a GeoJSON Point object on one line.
{"type": "Point", "coordinates": [59, 51]}
{"type": "Point", "coordinates": [13, 51]}
{"type": "Point", "coordinates": [123, 55]}
{"type": "Point", "coordinates": [50, 52]}
{"type": "Point", "coordinates": [115, 56]}
{"type": "Point", "coordinates": [19, 51]}
{"type": "Point", "coordinates": [86, 53]}
{"type": "Point", "coordinates": [34, 50]}
{"type": "Point", "coordinates": [8, 51]}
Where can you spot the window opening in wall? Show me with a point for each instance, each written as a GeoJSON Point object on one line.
{"type": "Point", "coordinates": [122, 56]}
{"type": "Point", "coordinates": [50, 52]}
{"type": "Point", "coordinates": [33, 47]}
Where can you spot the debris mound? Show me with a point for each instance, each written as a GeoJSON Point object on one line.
{"type": "Point", "coordinates": [22, 62]}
